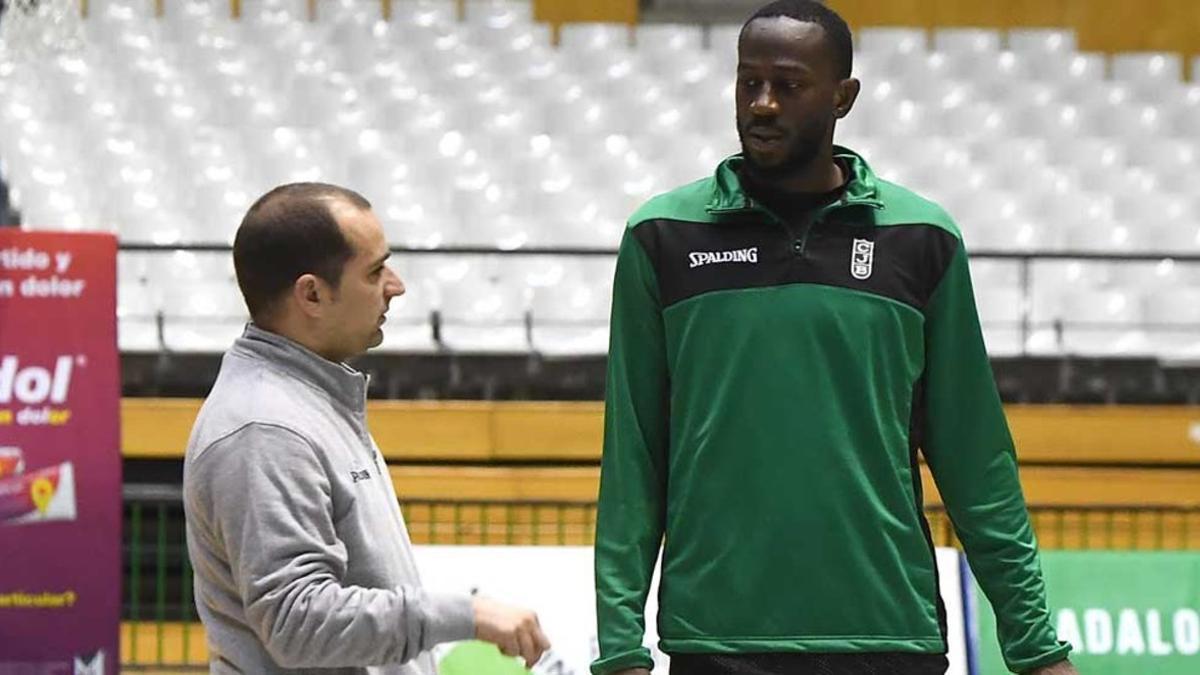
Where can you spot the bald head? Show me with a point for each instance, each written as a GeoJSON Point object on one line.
{"type": "Point", "coordinates": [289, 232]}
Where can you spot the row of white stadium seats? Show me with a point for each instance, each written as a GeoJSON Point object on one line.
{"type": "Point", "coordinates": [567, 319]}
{"type": "Point", "coordinates": [493, 20]}
{"type": "Point", "coordinates": [162, 269]}
{"type": "Point", "coordinates": [559, 305]}
{"type": "Point", "coordinates": [472, 155]}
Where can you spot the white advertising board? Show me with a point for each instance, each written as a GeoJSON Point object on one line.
{"type": "Point", "coordinates": [557, 583]}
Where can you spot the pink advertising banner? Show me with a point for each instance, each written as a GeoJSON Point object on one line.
{"type": "Point", "coordinates": [60, 462]}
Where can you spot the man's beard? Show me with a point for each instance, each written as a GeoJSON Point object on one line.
{"type": "Point", "coordinates": [800, 155]}
{"type": "Point", "coordinates": [801, 152]}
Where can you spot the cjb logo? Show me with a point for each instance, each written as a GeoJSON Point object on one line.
{"type": "Point", "coordinates": [862, 259]}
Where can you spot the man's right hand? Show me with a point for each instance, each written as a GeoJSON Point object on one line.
{"type": "Point", "coordinates": [515, 631]}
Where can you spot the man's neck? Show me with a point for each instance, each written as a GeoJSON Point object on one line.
{"type": "Point", "coordinates": [823, 174]}
{"type": "Point", "coordinates": [290, 330]}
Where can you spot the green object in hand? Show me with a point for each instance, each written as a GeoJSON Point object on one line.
{"type": "Point", "coordinates": [479, 658]}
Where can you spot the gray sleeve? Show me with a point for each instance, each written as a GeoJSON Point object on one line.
{"type": "Point", "coordinates": [269, 504]}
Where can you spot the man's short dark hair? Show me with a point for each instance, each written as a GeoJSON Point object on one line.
{"type": "Point", "coordinates": [837, 33]}
{"type": "Point", "coordinates": [287, 233]}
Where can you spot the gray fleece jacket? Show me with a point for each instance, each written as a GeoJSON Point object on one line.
{"type": "Point", "coordinates": [302, 559]}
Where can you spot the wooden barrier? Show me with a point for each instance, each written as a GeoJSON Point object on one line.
{"type": "Point", "coordinates": [477, 431]}
{"type": "Point", "coordinates": [1071, 456]}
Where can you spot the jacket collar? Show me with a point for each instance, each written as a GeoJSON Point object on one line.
{"type": "Point", "coordinates": [346, 386]}
{"type": "Point", "coordinates": [730, 196]}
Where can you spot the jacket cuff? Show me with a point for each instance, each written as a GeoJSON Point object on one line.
{"type": "Point", "coordinates": [636, 658]}
{"type": "Point", "coordinates": [1046, 659]}
{"type": "Point", "coordinates": [448, 618]}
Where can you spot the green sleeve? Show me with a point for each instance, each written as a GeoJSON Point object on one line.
{"type": "Point", "coordinates": [970, 451]}
{"type": "Point", "coordinates": [631, 512]}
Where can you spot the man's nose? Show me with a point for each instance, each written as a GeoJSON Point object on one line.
{"type": "Point", "coordinates": [764, 102]}
{"type": "Point", "coordinates": [395, 285]}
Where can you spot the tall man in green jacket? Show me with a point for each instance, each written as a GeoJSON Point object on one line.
{"type": "Point", "coordinates": [786, 336]}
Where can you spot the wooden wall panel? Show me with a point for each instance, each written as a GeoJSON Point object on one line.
{"type": "Point", "coordinates": [566, 11]}
{"type": "Point", "coordinates": [874, 13]}
{"type": "Point", "coordinates": [1101, 25]}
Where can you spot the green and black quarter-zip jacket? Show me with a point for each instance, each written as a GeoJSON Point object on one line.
{"type": "Point", "coordinates": [769, 386]}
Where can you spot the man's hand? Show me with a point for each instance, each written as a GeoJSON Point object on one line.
{"type": "Point", "coordinates": [515, 631]}
{"type": "Point", "coordinates": [1061, 668]}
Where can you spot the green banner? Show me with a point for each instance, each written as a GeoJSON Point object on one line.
{"type": "Point", "coordinates": [1126, 613]}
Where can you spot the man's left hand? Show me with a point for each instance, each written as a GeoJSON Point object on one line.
{"type": "Point", "coordinates": [1060, 668]}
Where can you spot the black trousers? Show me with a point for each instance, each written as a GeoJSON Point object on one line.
{"type": "Point", "coordinates": [807, 663]}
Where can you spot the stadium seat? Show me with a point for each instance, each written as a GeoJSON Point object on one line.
{"type": "Point", "coordinates": [1183, 238]}
{"type": "Point", "coordinates": [1135, 123]}
{"type": "Point", "coordinates": [1044, 336]}
{"type": "Point", "coordinates": [341, 12]}
{"type": "Point", "coordinates": [997, 74]}
{"type": "Point", "coordinates": [571, 317]}
{"type": "Point", "coordinates": [1185, 109]}
{"type": "Point", "coordinates": [1070, 310]}
{"type": "Point", "coordinates": [1090, 153]}
{"type": "Point", "coordinates": [1152, 211]}
{"type": "Point", "coordinates": [594, 38]}
{"type": "Point", "coordinates": [668, 45]}
{"type": "Point", "coordinates": [423, 13]}
{"type": "Point", "coordinates": [1173, 321]}
{"type": "Point", "coordinates": [499, 15]}
{"type": "Point", "coordinates": [483, 315]}
{"type": "Point", "coordinates": [511, 142]}
{"type": "Point", "coordinates": [202, 316]}
{"type": "Point", "coordinates": [892, 40]}
{"type": "Point", "coordinates": [1148, 71]}
{"type": "Point", "coordinates": [1071, 69]}
{"type": "Point", "coordinates": [1174, 161]}
{"type": "Point", "coordinates": [187, 267]}
{"type": "Point", "coordinates": [1041, 41]}
{"type": "Point", "coordinates": [137, 322]}
{"type": "Point", "coordinates": [1104, 236]}
{"type": "Point", "coordinates": [966, 40]}
{"type": "Point", "coordinates": [1149, 278]}
{"type": "Point", "coordinates": [722, 41]}
{"type": "Point", "coordinates": [970, 121]}
{"type": "Point", "coordinates": [1103, 323]}
{"type": "Point", "coordinates": [1000, 316]}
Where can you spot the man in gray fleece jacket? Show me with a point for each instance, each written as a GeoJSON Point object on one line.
{"type": "Point", "coordinates": [302, 559]}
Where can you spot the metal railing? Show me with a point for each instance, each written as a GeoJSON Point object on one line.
{"type": "Point", "coordinates": [161, 630]}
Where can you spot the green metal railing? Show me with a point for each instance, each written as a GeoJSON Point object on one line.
{"type": "Point", "coordinates": [159, 615]}
{"type": "Point", "coordinates": [161, 630]}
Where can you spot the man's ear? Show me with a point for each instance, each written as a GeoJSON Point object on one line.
{"type": "Point", "coordinates": [309, 293]}
{"type": "Point", "coordinates": [846, 95]}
